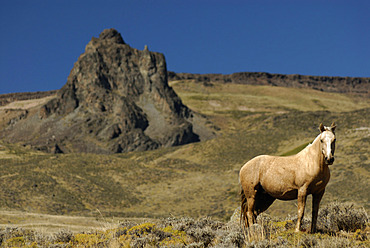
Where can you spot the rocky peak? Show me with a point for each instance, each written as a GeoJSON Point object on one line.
{"type": "Point", "coordinates": [111, 35]}
{"type": "Point", "coordinates": [116, 99]}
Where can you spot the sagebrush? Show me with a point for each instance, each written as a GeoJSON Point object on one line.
{"type": "Point", "coordinates": [340, 225]}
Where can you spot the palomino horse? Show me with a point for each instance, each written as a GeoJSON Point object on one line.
{"type": "Point", "coordinates": [266, 178]}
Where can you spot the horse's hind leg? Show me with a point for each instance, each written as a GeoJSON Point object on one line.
{"type": "Point", "coordinates": [248, 195]}
{"type": "Point", "coordinates": [251, 194]}
{"type": "Point", "coordinates": [251, 201]}
{"type": "Point", "coordinates": [243, 208]}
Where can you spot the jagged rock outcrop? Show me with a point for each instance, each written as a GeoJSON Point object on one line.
{"type": "Point", "coordinates": [116, 99]}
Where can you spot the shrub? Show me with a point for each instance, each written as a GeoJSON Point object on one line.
{"type": "Point", "coordinates": [308, 241]}
{"type": "Point", "coordinates": [63, 236]}
{"type": "Point", "coordinates": [16, 237]}
{"type": "Point", "coordinates": [341, 217]}
{"type": "Point", "coordinates": [201, 231]}
{"type": "Point", "coordinates": [337, 242]}
{"type": "Point", "coordinates": [150, 234]}
{"type": "Point", "coordinates": [231, 235]}
{"type": "Point", "coordinates": [206, 232]}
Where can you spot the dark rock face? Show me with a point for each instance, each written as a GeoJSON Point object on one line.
{"type": "Point", "coordinates": [116, 99]}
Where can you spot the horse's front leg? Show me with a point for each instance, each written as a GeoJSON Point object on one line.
{"type": "Point", "coordinates": [302, 196]}
{"type": "Point", "coordinates": [316, 198]}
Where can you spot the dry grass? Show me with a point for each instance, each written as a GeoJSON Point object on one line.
{"type": "Point", "coordinates": [216, 97]}
{"type": "Point", "coordinates": [26, 104]}
{"type": "Point", "coordinates": [47, 223]}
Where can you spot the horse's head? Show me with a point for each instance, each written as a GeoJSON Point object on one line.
{"type": "Point", "coordinates": [327, 139]}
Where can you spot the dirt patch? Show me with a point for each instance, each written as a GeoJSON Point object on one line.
{"type": "Point", "coordinates": [26, 104]}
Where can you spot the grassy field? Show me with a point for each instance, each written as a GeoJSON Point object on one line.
{"type": "Point", "coordinates": [199, 179]}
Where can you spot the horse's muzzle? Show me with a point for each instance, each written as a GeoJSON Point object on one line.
{"type": "Point", "coordinates": [329, 161]}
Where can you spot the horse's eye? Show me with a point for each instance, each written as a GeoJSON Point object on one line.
{"type": "Point", "coordinates": [321, 141]}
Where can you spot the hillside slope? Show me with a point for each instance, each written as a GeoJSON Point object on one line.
{"type": "Point", "coordinates": [352, 85]}
{"type": "Point", "coordinates": [200, 178]}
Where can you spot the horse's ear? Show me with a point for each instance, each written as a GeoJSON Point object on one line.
{"type": "Point", "coordinates": [321, 128]}
{"type": "Point", "coordinates": [333, 126]}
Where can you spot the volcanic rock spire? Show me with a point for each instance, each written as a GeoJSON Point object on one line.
{"type": "Point", "coordinates": [116, 99]}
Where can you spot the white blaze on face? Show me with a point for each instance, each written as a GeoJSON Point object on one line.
{"type": "Point", "coordinates": [327, 140]}
{"type": "Point", "coordinates": [328, 147]}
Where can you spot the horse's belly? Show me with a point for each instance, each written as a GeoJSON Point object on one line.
{"type": "Point", "coordinates": [281, 194]}
{"type": "Point", "coordinates": [288, 195]}
{"type": "Point", "coordinates": [279, 183]}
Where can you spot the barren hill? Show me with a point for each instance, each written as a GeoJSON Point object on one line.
{"type": "Point", "coordinates": [353, 85]}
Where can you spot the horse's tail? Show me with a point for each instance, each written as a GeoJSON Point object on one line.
{"type": "Point", "coordinates": [243, 209]}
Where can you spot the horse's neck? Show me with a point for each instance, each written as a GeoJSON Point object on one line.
{"type": "Point", "coordinates": [314, 154]}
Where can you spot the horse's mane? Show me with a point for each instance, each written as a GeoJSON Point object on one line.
{"type": "Point", "coordinates": [317, 137]}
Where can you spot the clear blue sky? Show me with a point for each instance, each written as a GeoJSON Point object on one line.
{"type": "Point", "coordinates": [40, 40]}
